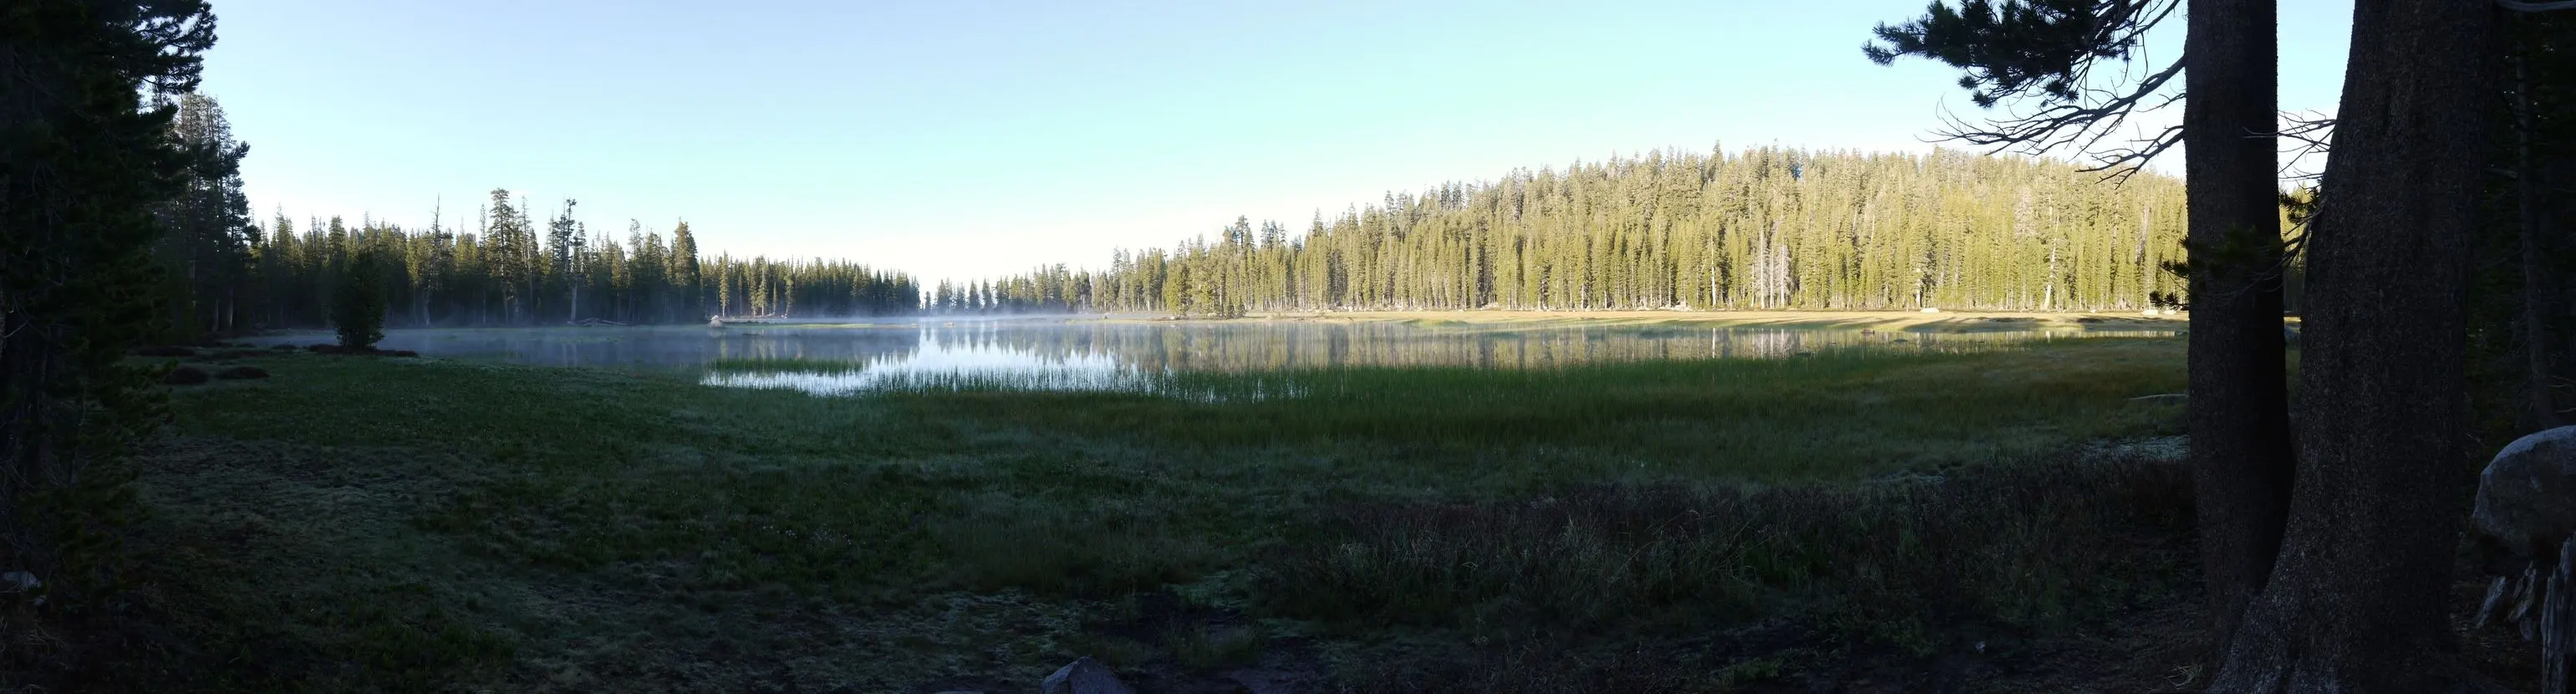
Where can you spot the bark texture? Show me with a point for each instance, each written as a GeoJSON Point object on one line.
{"type": "Point", "coordinates": [2356, 601]}
{"type": "Point", "coordinates": [2239, 417]}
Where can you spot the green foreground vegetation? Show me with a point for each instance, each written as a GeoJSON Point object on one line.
{"type": "Point", "coordinates": [368, 523]}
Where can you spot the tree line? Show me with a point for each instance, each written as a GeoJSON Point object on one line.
{"type": "Point", "coordinates": [225, 273]}
{"type": "Point", "coordinates": [1767, 228]}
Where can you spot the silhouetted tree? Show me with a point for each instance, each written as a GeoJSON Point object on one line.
{"type": "Point", "coordinates": [2048, 51]}
{"type": "Point", "coordinates": [84, 162]}
{"type": "Point", "coordinates": [207, 246]}
{"type": "Point", "coordinates": [2356, 603]}
{"type": "Point", "coordinates": [358, 306]}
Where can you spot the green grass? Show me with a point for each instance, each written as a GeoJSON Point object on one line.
{"type": "Point", "coordinates": [408, 524]}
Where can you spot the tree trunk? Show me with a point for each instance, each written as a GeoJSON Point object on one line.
{"type": "Point", "coordinates": [2356, 603]}
{"type": "Point", "coordinates": [2539, 413]}
{"type": "Point", "coordinates": [2239, 413]}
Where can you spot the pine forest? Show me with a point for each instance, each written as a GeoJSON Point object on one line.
{"type": "Point", "coordinates": [1769, 228]}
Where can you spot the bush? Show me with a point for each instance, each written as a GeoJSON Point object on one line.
{"type": "Point", "coordinates": [358, 306]}
{"type": "Point", "coordinates": [241, 372]}
{"type": "Point", "coordinates": [185, 376]}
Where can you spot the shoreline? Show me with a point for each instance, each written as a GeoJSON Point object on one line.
{"type": "Point", "coordinates": [1913, 321]}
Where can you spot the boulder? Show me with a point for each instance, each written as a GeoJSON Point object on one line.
{"type": "Point", "coordinates": [2527, 495]}
{"type": "Point", "coordinates": [1084, 676]}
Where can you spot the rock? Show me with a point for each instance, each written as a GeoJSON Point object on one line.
{"type": "Point", "coordinates": [1084, 676]}
{"type": "Point", "coordinates": [18, 582]}
{"type": "Point", "coordinates": [241, 372]}
{"type": "Point", "coordinates": [185, 376]}
{"type": "Point", "coordinates": [1931, 310]}
{"type": "Point", "coordinates": [2527, 495]}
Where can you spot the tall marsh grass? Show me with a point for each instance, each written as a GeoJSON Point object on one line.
{"type": "Point", "coordinates": [2016, 546]}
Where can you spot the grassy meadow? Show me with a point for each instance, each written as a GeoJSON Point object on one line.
{"type": "Point", "coordinates": [384, 524]}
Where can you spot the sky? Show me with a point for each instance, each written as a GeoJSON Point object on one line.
{"type": "Point", "coordinates": [973, 138]}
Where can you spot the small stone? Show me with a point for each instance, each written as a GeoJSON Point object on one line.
{"type": "Point", "coordinates": [1084, 676]}
{"type": "Point", "coordinates": [18, 582]}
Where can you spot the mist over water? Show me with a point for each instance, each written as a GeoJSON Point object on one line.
{"type": "Point", "coordinates": [1141, 356]}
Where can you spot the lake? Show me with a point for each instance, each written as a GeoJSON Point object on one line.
{"type": "Point", "coordinates": [1080, 354]}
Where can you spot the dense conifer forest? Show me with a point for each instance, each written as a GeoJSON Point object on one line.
{"type": "Point", "coordinates": [1767, 228]}
{"type": "Point", "coordinates": [508, 274]}
{"type": "Point", "coordinates": [225, 272]}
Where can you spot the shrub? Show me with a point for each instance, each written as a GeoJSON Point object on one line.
{"type": "Point", "coordinates": [185, 376]}
{"type": "Point", "coordinates": [242, 372]}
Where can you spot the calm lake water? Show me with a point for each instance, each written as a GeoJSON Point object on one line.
{"type": "Point", "coordinates": [1061, 354]}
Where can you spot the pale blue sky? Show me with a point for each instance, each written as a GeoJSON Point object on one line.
{"type": "Point", "coordinates": [971, 138]}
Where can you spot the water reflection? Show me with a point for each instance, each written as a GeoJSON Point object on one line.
{"type": "Point", "coordinates": [1141, 356]}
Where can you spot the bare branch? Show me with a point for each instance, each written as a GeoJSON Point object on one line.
{"type": "Point", "coordinates": [2306, 134]}
{"type": "Point", "coordinates": [2123, 163]}
{"type": "Point", "coordinates": [2080, 127]}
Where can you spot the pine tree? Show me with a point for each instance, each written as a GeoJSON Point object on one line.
{"type": "Point", "coordinates": [358, 308]}
{"type": "Point", "coordinates": [82, 166]}
{"type": "Point", "coordinates": [207, 248]}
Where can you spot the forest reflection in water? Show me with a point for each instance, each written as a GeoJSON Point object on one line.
{"type": "Point", "coordinates": [1144, 356]}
